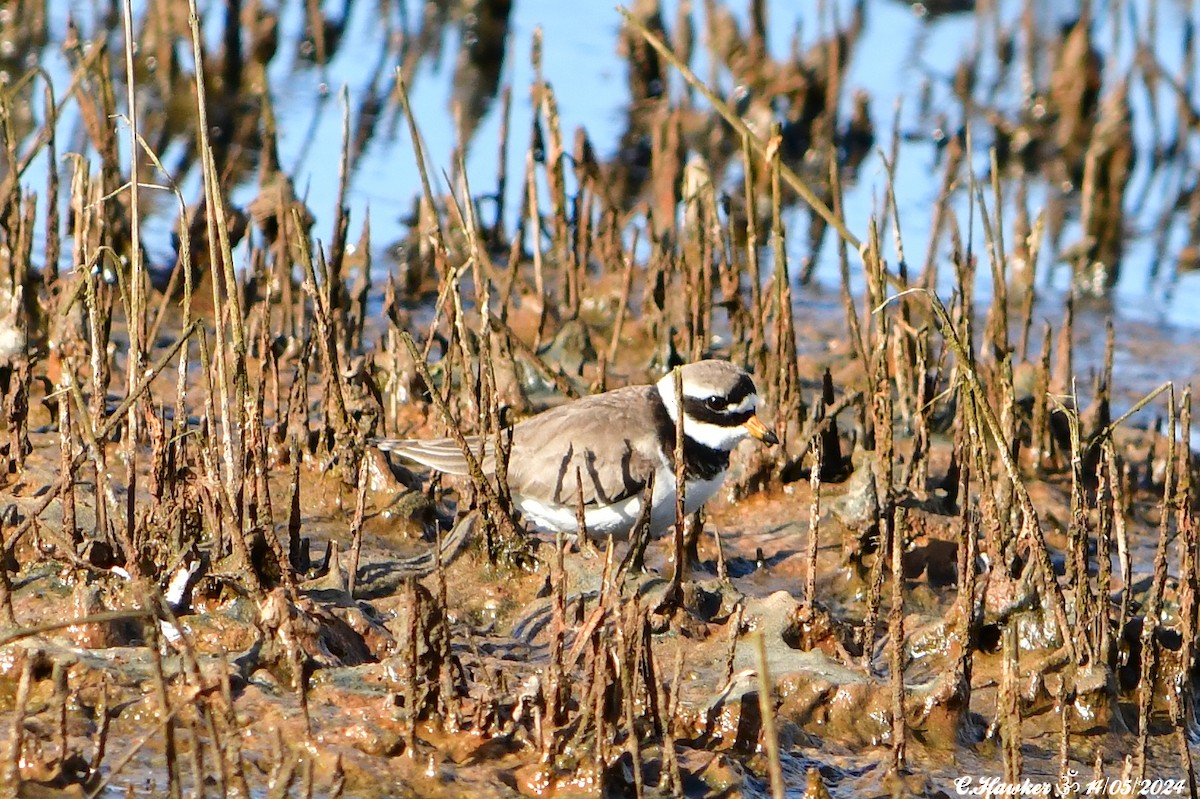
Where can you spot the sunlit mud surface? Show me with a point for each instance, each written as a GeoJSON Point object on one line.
{"type": "Point", "coordinates": [972, 556]}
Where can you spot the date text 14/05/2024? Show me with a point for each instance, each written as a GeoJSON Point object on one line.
{"type": "Point", "coordinates": [1068, 785]}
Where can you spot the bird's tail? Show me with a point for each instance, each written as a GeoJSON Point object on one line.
{"type": "Point", "coordinates": [442, 454]}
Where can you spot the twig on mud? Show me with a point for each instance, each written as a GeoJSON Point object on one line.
{"type": "Point", "coordinates": [104, 432]}
{"type": "Point", "coordinates": [96, 618]}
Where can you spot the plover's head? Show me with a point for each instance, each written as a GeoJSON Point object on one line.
{"type": "Point", "coordinates": [719, 401]}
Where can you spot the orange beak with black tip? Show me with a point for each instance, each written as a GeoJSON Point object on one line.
{"type": "Point", "coordinates": [756, 428]}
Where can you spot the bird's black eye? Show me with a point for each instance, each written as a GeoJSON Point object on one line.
{"type": "Point", "coordinates": [716, 403]}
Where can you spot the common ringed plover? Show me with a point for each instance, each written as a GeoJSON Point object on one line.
{"type": "Point", "coordinates": [616, 441]}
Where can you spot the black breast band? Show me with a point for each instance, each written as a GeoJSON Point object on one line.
{"type": "Point", "coordinates": [699, 462]}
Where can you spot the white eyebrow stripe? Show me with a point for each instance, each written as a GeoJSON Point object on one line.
{"type": "Point", "coordinates": [749, 403]}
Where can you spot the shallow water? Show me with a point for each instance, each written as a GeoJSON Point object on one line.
{"type": "Point", "coordinates": [904, 60]}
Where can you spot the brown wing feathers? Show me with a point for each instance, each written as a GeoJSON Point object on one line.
{"type": "Point", "coordinates": [609, 439]}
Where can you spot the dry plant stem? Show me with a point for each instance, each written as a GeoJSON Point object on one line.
{"type": "Point", "coordinates": [280, 778]}
{"type": "Point", "coordinates": [816, 427]}
{"type": "Point", "coordinates": [419, 152]}
{"type": "Point", "coordinates": [881, 464]}
{"type": "Point", "coordinates": [917, 477]}
{"type": "Point", "coordinates": [105, 494]}
{"type": "Point", "coordinates": [678, 549]}
{"type": "Point", "coordinates": [582, 205]}
{"type": "Point", "coordinates": [451, 706]}
{"type": "Point", "coordinates": [227, 309]}
{"type": "Point", "coordinates": [1108, 429]}
{"type": "Point", "coordinates": [261, 487]}
{"type": "Point", "coordinates": [1029, 291]}
{"type": "Point", "coordinates": [994, 238]}
{"type": "Point", "coordinates": [722, 567]}
{"type": "Point", "coordinates": [102, 722]}
{"type": "Point", "coordinates": [195, 752]}
{"type": "Point", "coordinates": [903, 343]}
{"type": "Point", "coordinates": [12, 636]}
{"type": "Point", "coordinates": [793, 180]}
{"type": "Point", "coordinates": [170, 755]}
{"type": "Point", "coordinates": [671, 782]}
{"type": "Point", "coordinates": [58, 676]}
{"type": "Point", "coordinates": [735, 630]}
{"type": "Point", "coordinates": [183, 266]}
{"type": "Point", "coordinates": [327, 336]}
{"type": "Point", "coordinates": [784, 373]}
{"type": "Point", "coordinates": [1009, 711]}
{"type": "Point", "coordinates": [969, 376]}
{"type": "Point", "coordinates": [874, 589]}
{"type": "Point", "coordinates": [531, 357]}
{"type": "Point", "coordinates": [490, 418]}
{"type": "Point", "coordinates": [1151, 66]}
{"type": "Point", "coordinates": [635, 555]}
{"type": "Point", "coordinates": [1060, 377]}
{"type": "Point", "coordinates": [70, 524]}
{"type": "Point", "coordinates": [155, 601]}
{"type": "Point", "coordinates": [1064, 745]}
{"type": "Point", "coordinates": [53, 240]}
{"type": "Point", "coordinates": [814, 520]}
{"type": "Point", "coordinates": [756, 354]}
{"type": "Point", "coordinates": [671, 705]}
{"type": "Point", "coordinates": [600, 673]}
{"type": "Point", "coordinates": [500, 513]}
{"type": "Point", "coordinates": [1188, 532]}
{"type": "Point", "coordinates": [1124, 553]}
{"type": "Point", "coordinates": [766, 707]}
{"type": "Point", "coordinates": [968, 545]}
{"type": "Point", "coordinates": [449, 277]}
{"type": "Point", "coordinates": [45, 133]}
{"type": "Point", "coordinates": [92, 415]}
{"type": "Point", "coordinates": [105, 430]}
{"type": "Point", "coordinates": [535, 223]}
{"type": "Point", "coordinates": [210, 452]}
{"type": "Point", "coordinates": [556, 687]}
{"type": "Point", "coordinates": [697, 276]}
{"type": "Point", "coordinates": [356, 526]}
{"type": "Point", "coordinates": [1041, 387]}
{"type": "Point", "coordinates": [1077, 573]}
{"type": "Point", "coordinates": [628, 685]}
{"type": "Point", "coordinates": [16, 732]}
{"type": "Point", "coordinates": [341, 221]}
{"type": "Point", "coordinates": [225, 731]}
{"type": "Point", "coordinates": [410, 650]}
{"type": "Point", "coordinates": [306, 775]}
{"type": "Point", "coordinates": [7, 616]}
{"type": "Point", "coordinates": [556, 184]}
{"type": "Point", "coordinates": [896, 634]}
{"type": "Point", "coordinates": [1105, 503]}
{"type": "Point", "coordinates": [497, 232]}
{"type": "Point", "coordinates": [857, 336]}
{"type": "Point", "coordinates": [1151, 620]}
{"type": "Point", "coordinates": [623, 306]}
{"type": "Point", "coordinates": [137, 278]}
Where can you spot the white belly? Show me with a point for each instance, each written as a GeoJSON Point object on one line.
{"type": "Point", "coordinates": [617, 520]}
